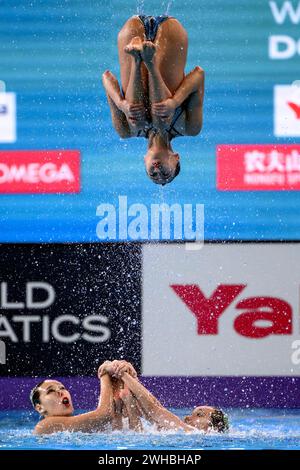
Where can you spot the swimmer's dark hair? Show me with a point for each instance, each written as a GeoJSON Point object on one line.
{"type": "Point", "coordinates": [219, 421]}
{"type": "Point", "coordinates": [35, 394]}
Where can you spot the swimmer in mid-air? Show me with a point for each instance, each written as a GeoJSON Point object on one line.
{"type": "Point", "coordinates": [122, 395]}
{"type": "Point", "coordinates": [156, 100]}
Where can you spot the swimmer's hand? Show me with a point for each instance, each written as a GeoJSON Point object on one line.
{"type": "Point", "coordinates": [133, 112]}
{"type": "Point", "coordinates": [165, 109]}
{"type": "Point", "coordinates": [116, 369]}
{"type": "Point", "coordinates": [120, 367]}
{"type": "Point", "coordinates": [104, 369]}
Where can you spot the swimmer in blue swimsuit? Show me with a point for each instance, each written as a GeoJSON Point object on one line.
{"type": "Point", "coordinates": [156, 99]}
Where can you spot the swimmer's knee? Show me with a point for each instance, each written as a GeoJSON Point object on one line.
{"type": "Point", "coordinates": [133, 27]}
{"type": "Point", "coordinates": [176, 28]}
{"type": "Point", "coordinates": [199, 69]}
{"type": "Point", "coordinates": [107, 75]}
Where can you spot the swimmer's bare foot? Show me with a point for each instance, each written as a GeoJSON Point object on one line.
{"type": "Point", "coordinates": [148, 52]}
{"type": "Point", "coordinates": [134, 48]}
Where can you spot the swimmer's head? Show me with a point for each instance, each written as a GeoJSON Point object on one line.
{"type": "Point", "coordinates": [50, 398]}
{"type": "Point", "coordinates": [162, 165]}
{"type": "Point", "coordinates": [207, 418]}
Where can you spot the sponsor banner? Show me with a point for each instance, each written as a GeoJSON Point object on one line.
{"type": "Point", "coordinates": [40, 171]}
{"type": "Point", "coordinates": [225, 310]}
{"type": "Point", "coordinates": [287, 110]}
{"type": "Point", "coordinates": [284, 45]}
{"type": "Point", "coordinates": [7, 118]}
{"type": "Point", "coordinates": [64, 309]}
{"type": "Point", "coordinates": [258, 167]}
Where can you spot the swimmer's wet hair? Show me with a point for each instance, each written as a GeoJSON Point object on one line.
{"type": "Point", "coordinates": [219, 421]}
{"type": "Point", "coordinates": [35, 394]}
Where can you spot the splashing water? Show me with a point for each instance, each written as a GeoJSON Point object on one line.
{"type": "Point", "coordinates": [140, 7]}
{"type": "Point", "coordinates": [166, 10]}
{"type": "Point", "coordinates": [169, 4]}
{"type": "Point", "coordinates": [161, 195]}
{"type": "Point", "coordinates": [249, 429]}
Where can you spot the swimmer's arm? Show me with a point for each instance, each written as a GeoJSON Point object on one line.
{"type": "Point", "coordinates": [86, 422]}
{"type": "Point", "coordinates": [106, 398]}
{"type": "Point", "coordinates": [191, 91]}
{"type": "Point", "coordinates": [152, 408]}
{"type": "Point", "coordinates": [193, 82]}
{"type": "Point", "coordinates": [133, 412]}
{"type": "Point", "coordinates": [115, 99]}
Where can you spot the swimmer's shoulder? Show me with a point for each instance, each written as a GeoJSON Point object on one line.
{"type": "Point", "coordinates": [50, 425]}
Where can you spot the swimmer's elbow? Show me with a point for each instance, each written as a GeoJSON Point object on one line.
{"type": "Point", "coordinates": [107, 76]}
{"type": "Point", "coordinates": [199, 70]}
{"type": "Point", "coordinates": [122, 129]}
{"type": "Point", "coordinates": [192, 131]}
{"type": "Point", "coordinates": [123, 133]}
{"type": "Point", "coordinates": [199, 75]}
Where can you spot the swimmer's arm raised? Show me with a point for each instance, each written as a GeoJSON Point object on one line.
{"type": "Point", "coordinates": [86, 422]}
{"type": "Point", "coordinates": [152, 408]}
{"type": "Point", "coordinates": [108, 393]}
{"type": "Point", "coordinates": [106, 398]}
{"type": "Point", "coordinates": [132, 409]}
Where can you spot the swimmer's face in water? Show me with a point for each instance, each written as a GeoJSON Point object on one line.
{"type": "Point", "coordinates": [207, 418]}
{"type": "Point", "coordinates": [162, 166]}
{"type": "Point", "coordinates": [54, 399]}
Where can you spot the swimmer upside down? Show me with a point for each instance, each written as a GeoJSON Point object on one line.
{"type": "Point", "coordinates": [157, 100]}
{"type": "Point", "coordinates": [122, 395]}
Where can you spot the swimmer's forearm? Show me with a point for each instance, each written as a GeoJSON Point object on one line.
{"type": "Point", "coordinates": [133, 413]}
{"type": "Point", "coordinates": [148, 403]}
{"type": "Point", "coordinates": [106, 399]}
{"type": "Point", "coordinates": [117, 422]}
{"type": "Point", "coordinates": [138, 389]}
{"type": "Point", "coordinates": [191, 83]}
{"type": "Point", "coordinates": [152, 408]}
